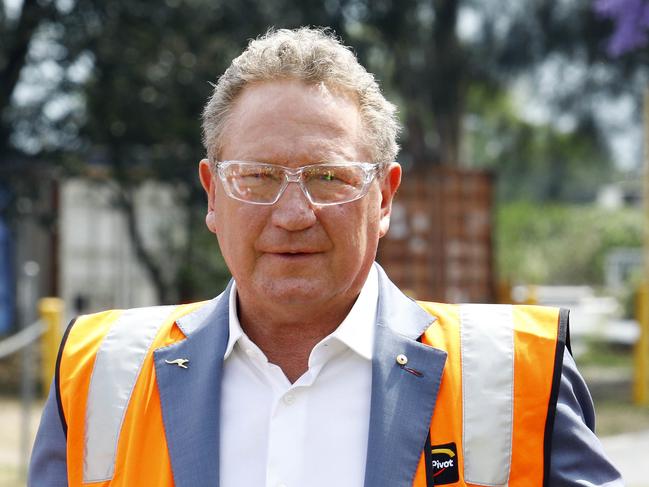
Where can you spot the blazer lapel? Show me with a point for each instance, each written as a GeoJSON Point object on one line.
{"type": "Point", "coordinates": [402, 401]}
{"type": "Point", "coordinates": [191, 397]}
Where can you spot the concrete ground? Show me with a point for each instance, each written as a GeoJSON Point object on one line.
{"type": "Point", "coordinates": [11, 473]}
{"type": "Point", "coordinates": [629, 451]}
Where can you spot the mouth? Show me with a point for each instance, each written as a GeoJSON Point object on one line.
{"type": "Point", "coordinates": [291, 255]}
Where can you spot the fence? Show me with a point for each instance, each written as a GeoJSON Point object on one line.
{"type": "Point", "coordinates": [46, 330]}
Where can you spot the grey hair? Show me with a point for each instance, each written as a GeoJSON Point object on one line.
{"type": "Point", "coordinates": [312, 55]}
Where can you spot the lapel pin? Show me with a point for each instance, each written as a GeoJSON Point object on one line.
{"type": "Point", "coordinates": [402, 360]}
{"type": "Point", "coordinates": [180, 362]}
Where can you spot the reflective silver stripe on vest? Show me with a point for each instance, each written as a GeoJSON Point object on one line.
{"type": "Point", "coordinates": [117, 366]}
{"type": "Point", "coordinates": [487, 339]}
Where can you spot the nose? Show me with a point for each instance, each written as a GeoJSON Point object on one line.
{"type": "Point", "coordinates": [293, 212]}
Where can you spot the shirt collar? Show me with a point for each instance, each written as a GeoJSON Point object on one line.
{"type": "Point", "coordinates": [356, 331]}
{"type": "Point", "coordinates": [236, 332]}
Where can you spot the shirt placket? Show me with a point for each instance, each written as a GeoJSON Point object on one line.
{"type": "Point", "coordinates": [287, 434]}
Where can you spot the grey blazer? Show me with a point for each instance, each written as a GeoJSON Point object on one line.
{"type": "Point", "coordinates": [401, 406]}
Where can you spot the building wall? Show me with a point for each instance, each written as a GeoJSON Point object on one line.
{"type": "Point", "coordinates": [439, 246]}
{"type": "Point", "coordinates": [98, 265]}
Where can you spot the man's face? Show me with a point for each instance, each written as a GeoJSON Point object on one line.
{"type": "Point", "coordinates": [293, 254]}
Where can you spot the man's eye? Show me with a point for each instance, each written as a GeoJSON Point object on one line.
{"type": "Point", "coordinates": [258, 174]}
{"type": "Point", "coordinates": [328, 176]}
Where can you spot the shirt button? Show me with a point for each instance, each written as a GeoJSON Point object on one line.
{"type": "Point", "coordinates": [288, 399]}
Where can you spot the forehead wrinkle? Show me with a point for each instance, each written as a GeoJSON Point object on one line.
{"type": "Point", "coordinates": [309, 123]}
{"type": "Point", "coordinates": [329, 150]}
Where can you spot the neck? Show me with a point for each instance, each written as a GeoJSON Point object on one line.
{"type": "Point", "coordinates": [287, 336]}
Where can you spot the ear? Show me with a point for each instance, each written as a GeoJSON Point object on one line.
{"type": "Point", "coordinates": [389, 185]}
{"type": "Point", "coordinates": [208, 182]}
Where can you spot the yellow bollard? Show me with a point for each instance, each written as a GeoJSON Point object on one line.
{"type": "Point", "coordinates": [641, 350]}
{"type": "Point", "coordinates": [51, 312]}
{"type": "Point", "coordinates": [532, 295]}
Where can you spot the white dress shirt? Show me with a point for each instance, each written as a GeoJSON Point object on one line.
{"type": "Point", "coordinates": [312, 433]}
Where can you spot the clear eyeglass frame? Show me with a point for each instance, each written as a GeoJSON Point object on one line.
{"type": "Point", "coordinates": [366, 170]}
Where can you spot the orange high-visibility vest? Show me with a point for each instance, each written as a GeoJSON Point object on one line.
{"type": "Point", "coordinates": [122, 443]}
{"type": "Point", "coordinates": [538, 338]}
{"type": "Point", "coordinates": [140, 455]}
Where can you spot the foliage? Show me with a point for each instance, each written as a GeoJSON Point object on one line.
{"type": "Point", "coordinates": [434, 54]}
{"type": "Point", "coordinates": [133, 77]}
{"type": "Point", "coordinates": [203, 272]}
{"type": "Point", "coordinates": [149, 64]}
{"type": "Point", "coordinates": [561, 244]}
{"type": "Point", "coordinates": [533, 162]}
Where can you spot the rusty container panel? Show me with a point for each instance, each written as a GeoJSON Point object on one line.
{"type": "Point", "coordinates": [439, 246]}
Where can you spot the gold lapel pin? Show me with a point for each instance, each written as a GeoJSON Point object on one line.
{"type": "Point", "coordinates": [402, 359]}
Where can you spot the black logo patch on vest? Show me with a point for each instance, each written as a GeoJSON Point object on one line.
{"type": "Point", "coordinates": [443, 460]}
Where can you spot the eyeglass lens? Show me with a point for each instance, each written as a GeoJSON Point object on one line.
{"type": "Point", "coordinates": [324, 183]}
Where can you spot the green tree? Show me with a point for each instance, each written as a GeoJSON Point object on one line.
{"type": "Point", "coordinates": [534, 162]}
{"type": "Point", "coordinates": [151, 68]}
{"type": "Point", "coordinates": [442, 50]}
{"type": "Point", "coordinates": [576, 240]}
{"type": "Point", "coordinates": [16, 34]}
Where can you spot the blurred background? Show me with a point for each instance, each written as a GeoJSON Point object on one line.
{"type": "Point", "coordinates": [522, 148]}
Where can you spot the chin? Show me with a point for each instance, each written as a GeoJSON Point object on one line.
{"type": "Point", "coordinates": [296, 290]}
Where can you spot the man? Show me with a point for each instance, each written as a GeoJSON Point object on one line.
{"type": "Point", "coordinates": [312, 369]}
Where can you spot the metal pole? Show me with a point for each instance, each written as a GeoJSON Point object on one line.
{"type": "Point", "coordinates": [641, 351]}
{"type": "Point", "coordinates": [29, 291]}
{"type": "Point", "coordinates": [641, 374]}
{"type": "Point", "coordinates": [646, 188]}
